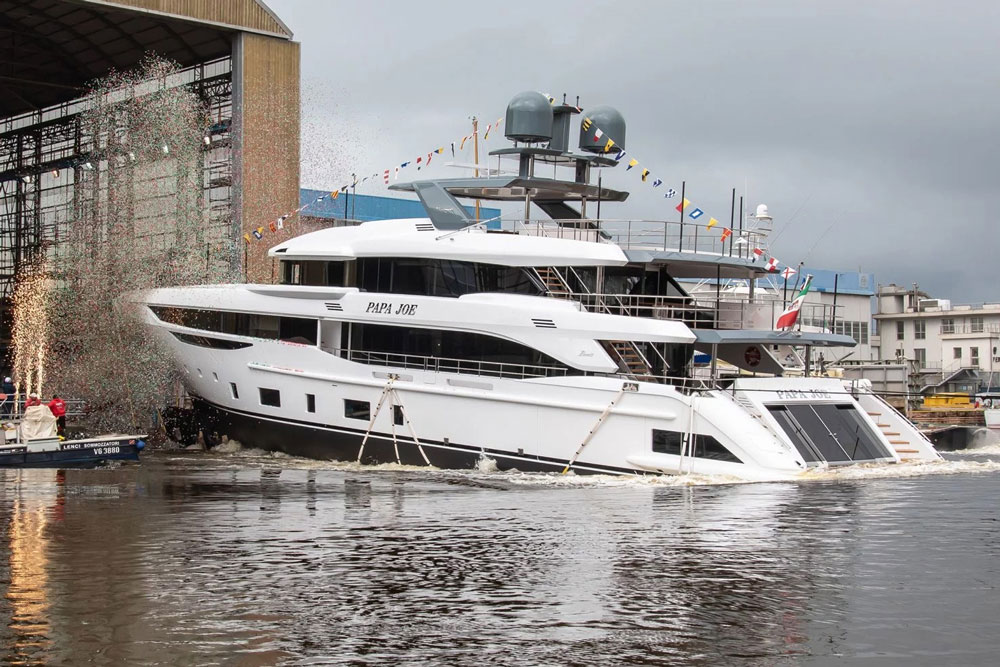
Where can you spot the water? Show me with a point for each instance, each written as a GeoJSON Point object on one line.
{"type": "Point", "coordinates": [245, 558]}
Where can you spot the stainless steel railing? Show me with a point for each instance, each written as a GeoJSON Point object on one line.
{"type": "Point", "coordinates": [451, 365]}
{"type": "Point", "coordinates": [662, 235]}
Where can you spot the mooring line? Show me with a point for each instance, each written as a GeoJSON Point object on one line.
{"type": "Point", "coordinates": [409, 424]}
{"type": "Point", "coordinates": [378, 408]}
{"type": "Point", "coordinates": [628, 386]}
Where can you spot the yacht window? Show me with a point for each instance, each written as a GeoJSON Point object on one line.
{"type": "Point", "coordinates": [291, 273]}
{"type": "Point", "coordinates": [205, 341]}
{"type": "Point", "coordinates": [302, 272]}
{"type": "Point", "coordinates": [357, 409]}
{"type": "Point", "coordinates": [667, 442]}
{"type": "Point", "coordinates": [271, 397]}
{"type": "Point", "coordinates": [704, 446]}
{"type": "Point", "coordinates": [397, 415]}
{"type": "Point", "coordinates": [338, 274]}
{"type": "Point", "coordinates": [454, 351]}
{"type": "Point", "coordinates": [310, 402]}
{"type": "Point", "coordinates": [263, 326]}
{"type": "Point", "coordinates": [233, 390]}
{"type": "Point", "coordinates": [440, 277]}
{"type": "Point", "coordinates": [297, 329]}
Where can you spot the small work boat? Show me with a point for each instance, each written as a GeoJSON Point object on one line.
{"type": "Point", "coordinates": [32, 442]}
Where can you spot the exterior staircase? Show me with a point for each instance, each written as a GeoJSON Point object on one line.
{"type": "Point", "coordinates": [907, 441]}
{"type": "Point", "coordinates": [554, 283]}
{"type": "Point", "coordinates": [629, 358]}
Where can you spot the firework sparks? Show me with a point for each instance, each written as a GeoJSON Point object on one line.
{"type": "Point", "coordinates": [141, 221]}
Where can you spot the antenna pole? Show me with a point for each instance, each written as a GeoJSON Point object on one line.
{"type": "Point", "coordinates": [599, 176]}
{"type": "Point", "coordinates": [475, 156]}
{"type": "Point", "coordinates": [732, 213]}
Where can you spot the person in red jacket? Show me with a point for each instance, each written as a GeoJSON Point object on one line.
{"type": "Point", "coordinates": [58, 408]}
{"type": "Point", "coordinates": [33, 400]}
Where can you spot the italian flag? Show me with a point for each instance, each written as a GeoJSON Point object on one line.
{"type": "Point", "coordinates": [791, 314]}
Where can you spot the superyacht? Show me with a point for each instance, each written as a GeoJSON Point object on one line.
{"type": "Point", "coordinates": [558, 343]}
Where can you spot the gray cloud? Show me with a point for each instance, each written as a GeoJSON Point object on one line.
{"type": "Point", "coordinates": [876, 121]}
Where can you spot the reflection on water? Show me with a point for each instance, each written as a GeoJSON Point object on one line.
{"type": "Point", "coordinates": [259, 560]}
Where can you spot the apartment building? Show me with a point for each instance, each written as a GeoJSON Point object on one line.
{"type": "Point", "coordinates": [939, 339]}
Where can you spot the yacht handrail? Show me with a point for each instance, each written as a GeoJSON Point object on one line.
{"type": "Point", "coordinates": [728, 311]}
{"type": "Point", "coordinates": [450, 365]}
{"type": "Point", "coordinates": [645, 234]}
{"type": "Point", "coordinates": [503, 370]}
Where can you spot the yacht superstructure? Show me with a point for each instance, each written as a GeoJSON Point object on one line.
{"type": "Point", "coordinates": [553, 344]}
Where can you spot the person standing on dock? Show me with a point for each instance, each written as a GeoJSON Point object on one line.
{"type": "Point", "coordinates": [58, 408]}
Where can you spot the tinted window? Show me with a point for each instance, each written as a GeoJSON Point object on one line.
{"type": "Point", "coordinates": [297, 330]}
{"type": "Point", "coordinates": [457, 346]}
{"type": "Point", "coordinates": [205, 341]}
{"type": "Point", "coordinates": [704, 446]}
{"type": "Point", "coordinates": [440, 277]}
{"type": "Point", "coordinates": [232, 388]}
{"type": "Point", "coordinates": [240, 324]}
{"type": "Point", "coordinates": [357, 409]}
{"type": "Point", "coordinates": [667, 442]}
{"type": "Point", "coordinates": [270, 397]}
{"type": "Point", "coordinates": [397, 415]}
{"type": "Point", "coordinates": [310, 402]}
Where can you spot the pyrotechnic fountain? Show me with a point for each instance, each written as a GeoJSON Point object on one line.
{"type": "Point", "coordinates": [31, 326]}
{"type": "Point", "coordinates": [139, 222]}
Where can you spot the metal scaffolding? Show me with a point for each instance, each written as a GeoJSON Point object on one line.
{"type": "Point", "coordinates": [52, 173]}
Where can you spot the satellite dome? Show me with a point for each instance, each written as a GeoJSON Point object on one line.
{"type": "Point", "coordinates": [762, 212]}
{"type": "Point", "coordinates": [529, 118]}
{"type": "Point", "coordinates": [611, 125]}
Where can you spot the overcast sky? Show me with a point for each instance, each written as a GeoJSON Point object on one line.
{"type": "Point", "coordinates": [870, 129]}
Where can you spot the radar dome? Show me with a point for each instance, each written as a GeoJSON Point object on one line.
{"type": "Point", "coordinates": [529, 118]}
{"type": "Point", "coordinates": [609, 122]}
{"type": "Point", "coordinates": [762, 212]}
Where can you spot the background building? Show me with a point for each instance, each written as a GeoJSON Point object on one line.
{"type": "Point", "coordinates": [354, 207]}
{"type": "Point", "coordinates": [235, 55]}
{"type": "Point", "coordinates": [853, 295]}
{"type": "Point", "coordinates": [949, 347]}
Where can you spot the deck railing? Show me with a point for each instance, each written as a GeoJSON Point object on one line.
{"type": "Point", "coordinates": [704, 309]}
{"type": "Point", "coordinates": [451, 365]}
{"type": "Point", "coordinates": [655, 235]}
{"type": "Point", "coordinates": [506, 370]}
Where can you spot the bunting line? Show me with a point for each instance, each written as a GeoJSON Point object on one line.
{"type": "Point", "coordinates": [279, 223]}
{"type": "Point", "coordinates": [644, 174]}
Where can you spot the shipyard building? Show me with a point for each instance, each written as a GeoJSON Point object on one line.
{"type": "Point", "coordinates": [237, 57]}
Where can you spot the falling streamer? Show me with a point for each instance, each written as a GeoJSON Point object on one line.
{"type": "Point", "coordinates": [141, 221]}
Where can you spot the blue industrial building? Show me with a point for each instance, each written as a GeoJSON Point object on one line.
{"type": "Point", "coordinates": [824, 280]}
{"type": "Point", "coordinates": [349, 206]}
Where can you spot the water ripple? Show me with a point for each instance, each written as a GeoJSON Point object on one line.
{"type": "Point", "coordinates": [251, 559]}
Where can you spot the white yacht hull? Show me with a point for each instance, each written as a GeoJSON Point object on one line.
{"type": "Point", "coordinates": [453, 420]}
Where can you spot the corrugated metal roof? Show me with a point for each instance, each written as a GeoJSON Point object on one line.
{"type": "Point", "coordinates": [51, 49]}
{"type": "Point", "coordinates": [248, 15]}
